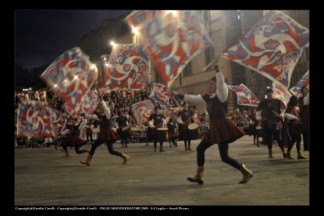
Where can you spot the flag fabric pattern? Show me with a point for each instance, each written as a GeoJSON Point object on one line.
{"type": "Point", "coordinates": [34, 119]}
{"type": "Point", "coordinates": [128, 68]}
{"type": "Point", "coordinates": [271, 47]}
{"type": "Point", "coordinates": [88, 104]}
{"type": "Point", "coordinates": [281, 92]}
{"type": "Point", "coordinates": [171, 38]}
{"type": "Point", "coordinates": [142, 111]}
{"type": "Point", "coordinates": [71, 76]}
{"type": "Point", "coordinates": [244, 96]}
{"type": "Point", "coordinates": [303, 81]}
{"type": "Point", "coordinates": [160, 94]}
{"type": "Point", "coordinates": [173, 112]}
{"type": "Point", "coordinates": [59, 120]}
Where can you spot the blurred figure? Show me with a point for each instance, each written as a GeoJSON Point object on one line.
{"type": "Point", "coordinates": [304, 115]}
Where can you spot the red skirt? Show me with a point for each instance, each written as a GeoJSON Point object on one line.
{"type": "Point", "coordinates": [108, 135]}
{"type": "Point", "coordinates": [223, 130]}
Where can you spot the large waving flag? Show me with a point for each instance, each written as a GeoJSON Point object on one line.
{"type": "Point", "coordinates": [172, 38]}
{"type": "Point", "coordinates": [71, 76]}
{"type": "Point", "coordinates": [58, 119]}
{"type": "Point", "coordinates": [303, 81]}
{"type": "Point", "coordinates": [271, 47]}
{"type": "Point", "coordinates": [142, 111]}
{"type": "Point", "coordinates": [281, 92]}
{"type": "Point", "coordinates": [34, 119]}
{"type": "Point", "coordinates": [128, 68]}
{"type": "Point", "coordinates": [88, 104]}
{"type": "Point", "coordinates": [160, 94]}
{"type": "Point", "coordinates": [244, 96]}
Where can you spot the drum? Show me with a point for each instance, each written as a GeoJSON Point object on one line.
{"type": "Point", "coordinates": [127, 130]}
{"type": "Point", "coordinates": [162, 134]}
{"type": "Point", "coordinates": [194, 131]}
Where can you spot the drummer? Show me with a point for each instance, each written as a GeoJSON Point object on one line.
{"type": "Point", "coordinates": [156, 121]}
{"type": "Point", "coordinates": [122, 130]}
{"type": "Point", "coordinates": [185, 118]}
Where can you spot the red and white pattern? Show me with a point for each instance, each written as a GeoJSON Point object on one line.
{"type": "Point", "coordinates": [71, 76]}
{"type": "Point", "coordinates": [281, 92]}
{"type": "Point", "coordinates": [303, 81]}
{"type": "Point", "coordinates": [142, 111]}
{"type": "Point", "coordinates": [128, 68]}
{"type": "Point", "coordinates": [244, 96]}
{"type": "Point", "coordinates": [34, 120]}
{"type": "Point", "coordinates": [59, 120]}
{"type": "Point", "coordinates": [160, 94]}
{"type": "Point", "coordinates": [171, 38]}
{"type": "Point", "coordinates": [271, 47]}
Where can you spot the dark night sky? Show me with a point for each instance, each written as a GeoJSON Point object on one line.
{"type": "Point", "coordinates": [42, 35]}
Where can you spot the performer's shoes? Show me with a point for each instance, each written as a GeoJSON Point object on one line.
{"type": "Point", "coordinates": [247, 174]}
{"type": "Point", "coordinates": [125, 157]}
{"type": "Point", "coordinates": [85, 162]}
{"type": "Point", "coordinates": [199, 176]}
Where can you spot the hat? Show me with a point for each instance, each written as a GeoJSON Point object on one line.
{"type": "Point", "coordinates": [268, 90]}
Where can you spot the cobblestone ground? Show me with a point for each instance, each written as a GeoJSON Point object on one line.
{"type": "Point", "coordinates": [43, 176]}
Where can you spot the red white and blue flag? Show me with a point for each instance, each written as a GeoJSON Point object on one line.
{"type": "Point", "coordinates": [281, 92]}
{"type": "Point", "coordinates": [59, 120]}
{"type": "Point", "coordinates": [34, 120]}
{"type": "Point", "coordinates": [71, 76]}
{"type": "Point", "coordinates": [128, 68]}
{"type": "Point", "coordinates": [88, 104]}
{"type": "Point", "coordinates": [171, 38]}
{"type": "Point", "coordinates": [303, 81]}
{"type": "Point", "coordinates": [142, 111]}
{"type": "Point", "coordinates": [244, 96]}
{"type": "Point", "coordinates": [271, 47]}
{"type": "Point", "coordinates": [159, 94]}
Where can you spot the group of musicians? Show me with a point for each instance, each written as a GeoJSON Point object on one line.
{"type": "Point", "coordinates": [161, 128]}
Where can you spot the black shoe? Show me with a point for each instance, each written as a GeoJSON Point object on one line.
{"type": "Point", "coordinates": [161, 150]}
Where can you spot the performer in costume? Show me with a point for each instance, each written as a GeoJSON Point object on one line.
{"type": "Point", "coordinates": [304, 115]}
{"type": "Point", "coordinates": [294, 127]}
{"type": "Point", "coordinates": [221, 130]}
{"type": "Point", "coordinates": [122, 123]}
{"type": "Point", "coordinates": [185, 117]}
{"type": "Point", "coordinates": [71, 136]}
{"type": "Point", "coordinates": [106, 134]}
{"type": "Point", "coordinates": [270, 113]}
{"type": "Point", "coordinates": [156, 121]}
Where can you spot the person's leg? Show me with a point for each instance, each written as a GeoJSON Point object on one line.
{"type": "Point", "coordinates": [306, 140]}
{"type": "Point", "coordinates": [189, 142]}
{"type": "Point", "coordinates": [113, 152]}
{"type": "Point", "coordinates": [161, 146]}
{"type": "Point", "coordinates": [298, 146]}
{"type": "Point", "coordinates": [268, 140]}
{"type": "Point", "coordinates": [201, 148]}
{"type": "Point", "coordinates": [223, 151]}
{"type": "Point", "coordinates": [92, 151]}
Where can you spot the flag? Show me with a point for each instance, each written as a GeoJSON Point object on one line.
{"type": "Point", "coordinates": [59, 120]}
{"type": "Point", "coordinates": [271, 47]}
{"type": "Point", "coordinates": [128, 68]}
{"type": "Point", "coordinates": [303, 81]}
{"type": "Point", "coordinates": [142, 111]}
{"type": "Point", "coordinates": [171, 38]}
{"type": "Point", "coordinates": [281, 92]}
{"type": "Point", "coordinates": [244, 96]}
{"type": "Point", "coordinates": [34, 119]}
{"type": "Point", "coordinates": [87, 105]}
{"type": "Point", "coordinates": [159, 94]}
{"type": "Point", "coordinates": [71, 76]}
